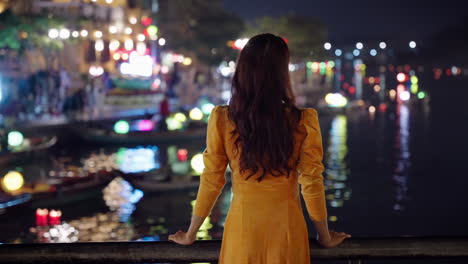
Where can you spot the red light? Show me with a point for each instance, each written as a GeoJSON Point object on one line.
{"type": "Point", "coordinates": [352, 90]}
{"type": "Point", "coordinates": [345, 85]}
{"type": "Point", "coordinates": [382, 107]}
{"type": "Point", "coordinates": [377, 80]}
{"type": "Point", "coordinates": [182, 155]}
{"type": "Point", "coordinates": [401, 77]}
{"type": "Point", "coordinates": [401, 88]}
{"type": "Point", "coordinates": [41, 217]}
{"type": "Point", "coordinates": [342, 77]}
{"type": "Point", "coordinates": [285, 40]}
{"type": "Point", "coordinates": [146, 21]}
{"type": "Point", "coordinates": [448, 72]}
{"type": "Point", "coordinates": [407, 68]}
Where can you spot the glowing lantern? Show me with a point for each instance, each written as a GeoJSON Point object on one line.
{"type": "Point", "coordinates": [146, 21]}
{"type": "Point", "coordinates": [173, 124]}
{"type": "Point", "coordinates": [197, 163]}
{"type": "Point", "coordinates": [121, 127]}
{"type": "Point", "coordinates": [180, 117]}
{"type": "Point", "coordinates": [15, 138]}
{"type": "Point", "coordinates": [421, 95]}
{"type": "Point", "coordinates": [41, 217]}
{"type": "Point", "coordinates": [404, 96]}
{"type": "Point", "coordinates": [196, 114]}
{"type": "Point", "coordinates": [414, 88]}
{"type": "Point", "coordinates": [187, 61]}
{"type": "Point", "coordinates": [401, 77]}
{"type": "Point", "coordinates": [114, 45]}
{"type": "Point", "coordinates": [145, 125]}
{"type": "Point", "coordinates": [392, 94]}
{"type": "Point", "coordinates": [53, 33]}
{"type": "Point", "coordinates": [336, 100]}
{"type": "Point", "coordinates": [182, 155]}
{"type": "Point", "coordinates": [12, 181]}
{"type": "Point", "coordinates": [54, 217]}
{"type": "Point", "coordinates": [152, 30]}
{"type": "Point", "coordinates": [371, 109]}
{"type": "Point", "coordinates": [401, 88]}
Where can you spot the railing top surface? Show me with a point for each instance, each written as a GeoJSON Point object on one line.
{"type": "Point", "coordinates": [163, 251]}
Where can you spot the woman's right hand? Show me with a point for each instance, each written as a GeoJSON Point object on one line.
{"type": "Point", "coordinates": [333, 240]}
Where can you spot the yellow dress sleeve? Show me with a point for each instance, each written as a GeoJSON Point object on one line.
{"type": "Point", "coordinates": [212, 179]}
{"type": "Point", "coordinates": [310, 167]}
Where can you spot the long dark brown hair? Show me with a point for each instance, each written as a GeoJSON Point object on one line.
{"type": "Point", "coordinates": [263, 107]}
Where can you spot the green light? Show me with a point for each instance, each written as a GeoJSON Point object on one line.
{"type": "Point", "coordinates": [173, 124]}
{"type": "Point", "coordinates": [152, 30]}
{"type": "Point", "coordinates": [323, 65]}
{"type": "Point", "coordinates": [421, 95]}
{"type": "Point", "coordinates": [207, 108]}
{"type": "Point", "coordinates": [121, 127]}
{"type": "Point", "coordinates": [331, 64]}
{"type": "Point", "coordinates": [180, 117]}
{"type": "Point", "coordinates": [196, 114]}
{"type": "Point", "coordinates": [15, 138]}
{"type": "Point", "coordinates": [309, 64]}
{"type": "Point", "coordinates": [197, 163]}
{"type": "Point", "coordinates": [414, 80]}
{"type": "Point", "coordinates": [414, 88]}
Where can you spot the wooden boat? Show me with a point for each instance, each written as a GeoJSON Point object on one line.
{"type": "Point", "coordinates": [108, 137]}
{"type": "Point", "coordinates": [148, 185]}
{"type": "Point", "coordinates": [67, 191]}
{"type": "Point", "coordinates": [35, 144]}
{"type": "Point", "coordinates": [8, 201]}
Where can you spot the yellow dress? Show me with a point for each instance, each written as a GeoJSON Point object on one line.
{"type": "Point", "coordinates": [265, 223]}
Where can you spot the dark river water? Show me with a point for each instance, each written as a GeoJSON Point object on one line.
{"type": "Point", "coordinates": [399, 172]}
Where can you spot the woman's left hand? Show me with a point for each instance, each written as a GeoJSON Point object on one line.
{"type": "Point", "coordinates": [182, 238]}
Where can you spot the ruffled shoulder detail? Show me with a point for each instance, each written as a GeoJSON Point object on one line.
{"type": "Point", "coordinates": [309, 118]}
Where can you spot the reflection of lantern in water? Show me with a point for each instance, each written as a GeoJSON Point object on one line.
{"type": "Point", "coordinates": [121, 197]}
{"type": "Point", "coordinates": [337, 170]}
{"type": "Point", "coordinates": [203, 232]}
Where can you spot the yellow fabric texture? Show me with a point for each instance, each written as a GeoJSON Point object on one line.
{"type": "Point", "coordinates": [265, 223]}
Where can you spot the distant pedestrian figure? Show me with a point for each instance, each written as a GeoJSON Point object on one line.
{"type": "Point", "coordinates": [65, 84]}
{"type": "Point", "coordinates": [272, 147]}
{"type": "Point", "coordinates": [164, 112]}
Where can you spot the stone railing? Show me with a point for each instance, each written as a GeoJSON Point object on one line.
{"type": "Point", "coordinates": [354, 250]}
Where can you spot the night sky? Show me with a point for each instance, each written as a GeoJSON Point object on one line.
{"type": "Point", "coordinates": [356, 20]}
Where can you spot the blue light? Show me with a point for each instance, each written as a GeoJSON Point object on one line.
{"type": "Point", "coordinates": [373, 52]}
{"type": "Point", "coordinates": [136, 196]}
{"type": "Point", "coordinates": [356, 52]}
{"type": "Point", "coordinates": [338, 52]}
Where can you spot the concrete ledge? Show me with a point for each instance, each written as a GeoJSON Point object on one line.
{"type": "Point", "coordinates": [203, 251]}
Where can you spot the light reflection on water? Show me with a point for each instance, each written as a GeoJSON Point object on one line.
{"type": "Point", "coordinates": [402, 153]}
{"type": "Point", "coordinates": [335, 162]}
